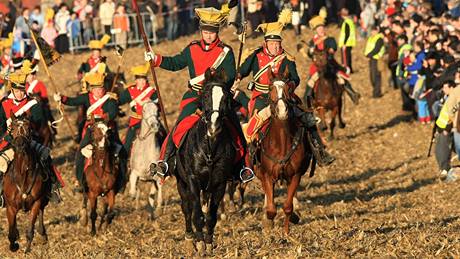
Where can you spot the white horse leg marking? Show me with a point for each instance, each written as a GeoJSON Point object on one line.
{"type": "Point", "coordinates": [217, 94]}
{"type": "Point", "coordinates": [132, 183]}
{"type": "Point", "coordinates": [280, 105]}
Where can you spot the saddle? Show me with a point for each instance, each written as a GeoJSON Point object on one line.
{"type": "Point", "coordinates": [180, 131]}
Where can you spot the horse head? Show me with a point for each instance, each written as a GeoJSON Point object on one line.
{"type": "Point", "coordinates": [215, 101]}
{"type": "Point", "coordinates": [21, 131]}
{"type": "Point", "coordinates": [99, 133]}
{"type": "Point", "coordinates": [279, 93]}
{"type": "Point", "coordinates": [320, 59]}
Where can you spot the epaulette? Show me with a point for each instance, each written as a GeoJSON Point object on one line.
{"type": "Point", "coordinates": [289, 56]}
{"type": "Point", "coordinates": [223, 45]}
{"type": "Point", "coordinates": [113, 96]}
{"type": "Point", "coordinates": [247, 52]}
{"type": "Point", "coordinates": [194, 42]}
{"type": "Point", "coordinates": [126, 86]}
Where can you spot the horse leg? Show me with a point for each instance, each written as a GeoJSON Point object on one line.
{"type": "Point", "coordinates": [105, 206]}
{"type": "Point", "coordinates": [93, 215]}
{"type": "Point", "coordinates": [13, 233]}
{"type": "Point", "coordinates": [41, 226]}
{"type": "Point", "coordinates": [111, 203]}
{"type": "Point", "coordinates": [322, 116]}
{"type": "Point", "coordinates": [341, 122]}
{"type": "Point", "coordinates": [187, 210]}
{"type": "Point", "coordinates": [33, 217]}
{"type": "Point", "coordinates": [288, 204]}
{"type": "Point", "coordinates": [197, 217]}
{"type": "Point", "coordinates": [270, 200]}
{"type": "Point", "coordinates": [211, 216]}
{"type": "Point", "coordinates": [332, 124]}
{"type": "Point", "coordinates": [84, 211]}
{"type": "Point", "coordinates": [133, 183]}
{"type": "Point", "coordinates": [242, 189]}
{"type": "Point", "coordinates": [151, 200]}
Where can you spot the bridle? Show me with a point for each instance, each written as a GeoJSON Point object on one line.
{"type": "Point", "coordinates": [206, 116]}
{"type": "Point", "coordinates": [104, 129]}
{"type": "Point", "coordinates": [151, 129]}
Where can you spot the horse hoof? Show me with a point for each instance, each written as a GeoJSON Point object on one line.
{"type": "Point", "coordinates": [93, 232]}
{"type": "Point", "coordinates": [158, 211]}
{"type": "Point", "coordinates": [189, 248]}
{"type": "Point", "coordinates": [209, 248]}
{"type": "Point", "coordinates": [28, 249]}
{"type": "Point", "coordinates": [83, 218]}
{"type": "Point", "coordinates": [330, 138]}
{"type": "Point", "coordinates": [294, 218]}
{"type": "Point", "coordinates": [342, 125]}
{"type": "Point", "coordinates": [14, 247]}
{"type": "Point", "coordinates": [267, 224]}
{"type": "Point", "coordinates": [201, 248]}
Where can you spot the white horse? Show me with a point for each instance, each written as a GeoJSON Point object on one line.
{"type": "Point", "coordinates": [145, 149]}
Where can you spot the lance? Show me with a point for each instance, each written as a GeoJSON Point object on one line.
{"type": "Point", "coordinates": [242, 37]}
{"type": "Point", "coordinates": [152, 65]}
{"type": "Point", "coordinates": [61, 111]}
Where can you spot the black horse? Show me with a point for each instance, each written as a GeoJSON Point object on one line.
{"type": "Point", "coordinates": [205, 161]}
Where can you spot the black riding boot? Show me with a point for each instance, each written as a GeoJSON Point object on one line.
{"type": "Point", "coordinates": [354, 96]}
{"type": "Point", "coordinates": [166, 166]}
{"type": "Point", "coordinates": [321, 155]}
{"type": "Point", "coordinates": [120, 157]}
{"type": "Point", "coordinates": [45, 159]}
{"type": "Point", "coordinates": [245, 174]}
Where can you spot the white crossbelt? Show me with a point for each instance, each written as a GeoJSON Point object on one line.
{"type": "Point", "coordinates": [32, 86]}
{"type": "Point", "coordinates": [198, 79]}
{"type": "Point", "coordinates": [22, 110]}
{"type": "Point", "coordinates": [138, 99]}
{"type": "Point", "coordinates": [96, 105]}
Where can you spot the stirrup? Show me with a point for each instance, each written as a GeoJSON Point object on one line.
{"type": "Point", "coordinates": [250, 178]}
{"type": "Point", "coordinates": [154, 168]}
{"type": "Point", "coordinates": [2, 201]}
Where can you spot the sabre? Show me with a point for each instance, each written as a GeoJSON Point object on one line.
{"type": "Point", "coordinates": [152, 67]}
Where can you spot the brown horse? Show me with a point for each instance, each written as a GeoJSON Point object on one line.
{"type": "Point", "coordinates": [46, 135]}
{"type": "Point", "coordinates": [26, 184]}
{"type": "Point", "coordinates": [327, 94]}
{"type": "Point", "coordinates": [101, 175]}
{"type": "Point", "coordinates": [283, 152]}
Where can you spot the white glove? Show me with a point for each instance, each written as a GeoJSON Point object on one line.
{"type": "Point", "coordinates": [149, 56]}
{"type": "Point", "coordinates": [348, 70]}
{"type": "Point", "coordinates": [57, 97]}
{"type": "Point", "coordinates": [235, 86]}
{"type": "Point", "coordinates": [87, 151]}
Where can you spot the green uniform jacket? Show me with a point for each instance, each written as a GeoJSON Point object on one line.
{"type": "Point", "coordinates": [110, 106]}
{"type": "Point", "coordinates": [36, 117]}
{"type": "Point", "coordinates": [185, 59]}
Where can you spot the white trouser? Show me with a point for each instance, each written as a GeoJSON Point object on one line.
{"type": "Point", "coordinates": [5, 158]}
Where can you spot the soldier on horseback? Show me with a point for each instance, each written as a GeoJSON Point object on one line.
{"type": "Point", "coordinates": [272, 56]}
{"type": "Point", "coordinates": [100, 106]}
{"type": "Point", "coordinates": [96, 63]}
{"type": "Point", "coordinates": [19, 104]}
{"type": "Point", "coordinates": [136, 95]}
{"type": "Point", "coordinates": [198, 56]}
{"type": "Point", "coordinates": [322, 42]}
{"type": "Point", "coordinates": [35, 87]}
